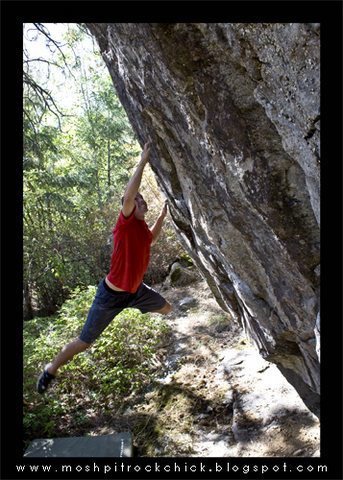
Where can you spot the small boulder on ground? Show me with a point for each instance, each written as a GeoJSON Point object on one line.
{"type": "Point", "coordinates": [180, 276]}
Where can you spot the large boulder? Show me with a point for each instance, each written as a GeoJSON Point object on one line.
{"type": "Point", "coordinates": [233, 113]}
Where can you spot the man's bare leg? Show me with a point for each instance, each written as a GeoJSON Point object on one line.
{"type": "Point", "coordinates": [66, 354]}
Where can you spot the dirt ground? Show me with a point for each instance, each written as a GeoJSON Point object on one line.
{"type": "Point", "coordinates": [214, 395]}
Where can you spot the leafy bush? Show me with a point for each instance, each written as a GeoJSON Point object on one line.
{"type": "Point", "coordinates": [97, 380]}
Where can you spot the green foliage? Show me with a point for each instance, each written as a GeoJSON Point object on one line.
{"type": "Point", "coordinates": [118, 364]}
{"type": "Point", "coordinates": [186, 260]}
{"type": "Point", "coordinates": [75, 171]}
{"type": "Point", "coordinates": [79, 153]}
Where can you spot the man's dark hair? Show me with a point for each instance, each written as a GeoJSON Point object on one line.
{"type": "Point", "coordinates": [122, 198]}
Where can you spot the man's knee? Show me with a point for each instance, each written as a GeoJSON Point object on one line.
{"type": "Point", "coordinates": [80, 344]}
{"type": "Point", "coordinates": [166, 309]}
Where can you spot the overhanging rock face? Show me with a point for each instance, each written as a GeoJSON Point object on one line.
{"type": "Point", "coordinates": [233, 113]}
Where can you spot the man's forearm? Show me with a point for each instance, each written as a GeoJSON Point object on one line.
{"type": "Point", "coordinates": [135, 181]}
{"type": "Point", "coordinates": [156, 229]}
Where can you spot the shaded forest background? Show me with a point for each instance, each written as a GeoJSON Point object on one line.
{"type": "Point", "coordinates": [78, 153]}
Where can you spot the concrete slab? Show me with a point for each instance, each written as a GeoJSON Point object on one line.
{"type": "Point", "coordinates": [117, 445]}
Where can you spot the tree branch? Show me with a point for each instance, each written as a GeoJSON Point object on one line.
{"type": "Point", "coordinates": [44, 95]}
{"type": "Point", "coordinates": [41, 60]}
{"type": "Point", "coordinates": [40, 28]}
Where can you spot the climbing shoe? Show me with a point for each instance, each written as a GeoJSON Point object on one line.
{"type": "Point", "coordinates": [43, 381]}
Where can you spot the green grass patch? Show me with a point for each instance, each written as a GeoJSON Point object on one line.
{"type": "Point", "coordinates": [97, 382]}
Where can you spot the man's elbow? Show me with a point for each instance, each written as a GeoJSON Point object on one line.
{"type": "Point", "coordinates": [128, 197]}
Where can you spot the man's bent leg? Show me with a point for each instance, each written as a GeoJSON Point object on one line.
{"type": "Point", "coordinates": [66, 354]}
{"type": "Point", "coordinates": [166, 309]}
{"type": "Point", "coordinates": [147, 300]}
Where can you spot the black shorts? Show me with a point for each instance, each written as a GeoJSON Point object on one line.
{"type": "Point", "coordinates": [108, 303]}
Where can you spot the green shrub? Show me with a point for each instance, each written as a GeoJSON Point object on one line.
{"type": "Point", "coordinates": [98, 379]}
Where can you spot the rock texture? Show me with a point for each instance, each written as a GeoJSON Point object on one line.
{"type": "Point", "coordinates": [233, 113]}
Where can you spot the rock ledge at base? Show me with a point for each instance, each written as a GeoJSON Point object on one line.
{"type": "Point", "coordinates": [116, 445]}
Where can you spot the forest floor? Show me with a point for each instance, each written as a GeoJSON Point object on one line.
{"type": "Point", "coordinates": [214, 395]}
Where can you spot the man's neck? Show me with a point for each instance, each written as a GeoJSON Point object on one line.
{"type": "Point", "coordinates": [139, 215]}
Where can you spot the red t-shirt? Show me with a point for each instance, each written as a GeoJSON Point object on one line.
{"type": "Point", "coordinates": [131, 252]}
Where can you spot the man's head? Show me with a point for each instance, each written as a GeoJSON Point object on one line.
{"type": "Point", "coordinates": [141, 205]}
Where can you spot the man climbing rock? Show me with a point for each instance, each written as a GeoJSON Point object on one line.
{"type": "Point", "coordinates": [123, 287]}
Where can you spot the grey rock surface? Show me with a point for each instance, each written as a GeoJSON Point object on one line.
{"type": "Point", "coordinates": [116, 445]}
{"type": "Point", "coordinates": [233, 114]}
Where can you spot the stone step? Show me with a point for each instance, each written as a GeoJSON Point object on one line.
{"type": "Point", "coordinates": [115, 445]}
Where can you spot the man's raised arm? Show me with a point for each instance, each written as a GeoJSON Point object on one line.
{"type": "Point", "coordinates": [135, 182]}
{"type": "Point", "coordinates": [156, 229]}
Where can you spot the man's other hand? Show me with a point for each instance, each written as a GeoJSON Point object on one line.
{"type": "Point", "coordinates": [146, 153]}
{"type": "Point", "coordinates": [164, 209]}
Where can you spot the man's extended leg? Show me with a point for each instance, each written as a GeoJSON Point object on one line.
{"type": "Point", "coordinates": [105, 307]}
{"type": "Point", "coordinates": [66, 354]}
